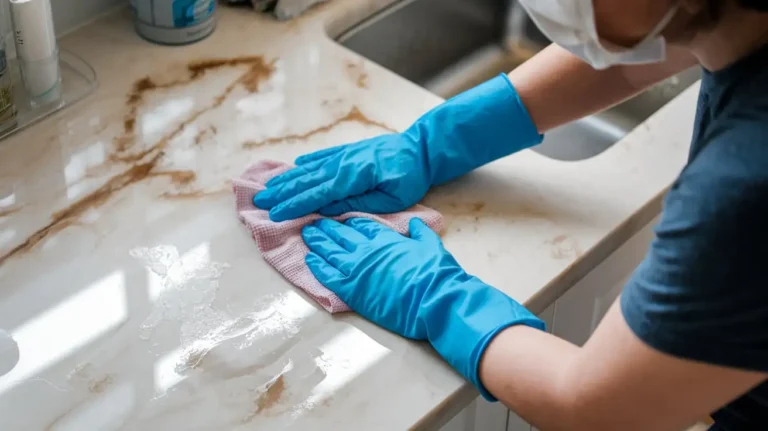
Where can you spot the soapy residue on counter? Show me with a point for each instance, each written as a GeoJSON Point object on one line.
{"type": "Point", "coordinates": [187, 290]}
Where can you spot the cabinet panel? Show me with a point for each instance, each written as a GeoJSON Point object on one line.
{"type": "Point", "coordinates": [479, 416]}
{"type": "Point", "coordinates": [516, 423]}
{"type": "Point", "coordinates": [464, 421]}
{"type": "Point", "coordinates": [490, 416]}
{"type": "Point", "coordinates": [581, 308]}
{"type": "Point", "coordinates": [548, 316]}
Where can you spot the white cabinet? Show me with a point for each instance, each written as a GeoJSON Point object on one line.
{"type": "Point", "coordinates": [548, 316]}
{"type": "Point", "coordinates": [573, 317]}
{"type": "Point", "coordinates": [516, 423]}
{"type": "Point", "coordinates": [463, 421]}
{"type": "Point", "coordinates": [479, 416]}
{"type": "Point", "coordinates": [582, 307]}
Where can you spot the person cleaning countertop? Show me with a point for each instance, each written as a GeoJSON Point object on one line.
{"type": "Point", "coordinates": [691, 321]}
{"type": "Point", "coordinates": [137, 301]}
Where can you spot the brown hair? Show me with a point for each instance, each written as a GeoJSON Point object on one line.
{"type": "Point", "coordinates": [759, 5]}
{"type": "Point", "coordinates": [714, 9]}
{"type": "Point", "coordinates": [714, 6]}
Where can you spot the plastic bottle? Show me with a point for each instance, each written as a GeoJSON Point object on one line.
{"type": "Point", "coordinates": [37, 50]}
{"type": "Point", "coordinates": [174, 22]}
{"type": "Point", "coordinates": [7, 103]}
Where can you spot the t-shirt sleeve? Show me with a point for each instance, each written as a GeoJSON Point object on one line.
{"type": "Point", "coordinates": [701, 292]}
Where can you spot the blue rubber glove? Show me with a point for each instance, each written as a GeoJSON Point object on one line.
{"type": "Point", "coordinates": [393, 172]}
{"type": "Point", "coordinates": [414, 287]}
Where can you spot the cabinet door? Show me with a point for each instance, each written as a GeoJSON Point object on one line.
{"type": "Point", "coordinates": [516, 423]}
{"type": "Point", "coordinates": [464, 421]}
{"type": "Point", "coordinates": [581, 308]}
{"type": "Point", "coordinates": [479, 416]}
{"type": "Point", "coordinates": [490, 416]}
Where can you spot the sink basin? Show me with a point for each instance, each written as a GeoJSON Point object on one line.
{"type": "Point", "coordinates": [448, 46]}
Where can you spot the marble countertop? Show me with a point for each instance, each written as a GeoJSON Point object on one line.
{"type": "Point", "coordinates": [139, 301]}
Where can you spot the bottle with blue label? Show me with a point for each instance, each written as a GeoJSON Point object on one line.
{"type": "Point", "coordinates": [174, 22]}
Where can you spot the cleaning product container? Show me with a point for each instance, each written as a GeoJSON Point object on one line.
{"type": "Point", "coordinates": [174, 22]}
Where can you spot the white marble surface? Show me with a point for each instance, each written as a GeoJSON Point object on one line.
{"type": "Point", "coordinates": [137, 299]}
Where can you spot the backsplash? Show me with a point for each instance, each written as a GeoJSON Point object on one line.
{"type": "Point", "coordinates": [69, 14]}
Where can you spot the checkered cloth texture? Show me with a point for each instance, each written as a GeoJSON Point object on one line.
{"type": "Point", "coordinates": [281, 243]}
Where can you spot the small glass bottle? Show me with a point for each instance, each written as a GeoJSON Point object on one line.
{"type": "Point", "coordinates": [7, 103]}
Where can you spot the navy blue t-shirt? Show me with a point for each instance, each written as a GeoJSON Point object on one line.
{"type": "Point", "coordinates": [702, 291]}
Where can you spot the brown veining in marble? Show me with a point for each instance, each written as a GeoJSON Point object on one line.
{"type": "Point", "coordinates": [200, 137]}
{"type": "Point", "coordinates": [256, 64]}
{"type": "Point", "coordinates": [144, 163]}
{"type": "Point", "coordinates": [357, 73]}
{"type": "Point", "coordinates": [564, 247]}
{"type": "Point", "coordinates": [270, 397]}
{"type": "Point", "coordinates": [179, 178]}
{"type": "Point", "coordinates": [353, 116]}
{"type": "Point", "coordinates": [64, 218]}
{"type": "Point", "coordinates": [257, 71]}
{"type": "Point", "coordinates": [205, 133]}
{"type": "Point", "coordinates": [5, 212]}
{"type": "Point", "coordinates": [462, 208]}
{"type": "Point", "coordinates": [558, 239]}
{"type": "Point", "coordinates": [194, 194]}
{"type": "Point", "coordinates": [98, 386]}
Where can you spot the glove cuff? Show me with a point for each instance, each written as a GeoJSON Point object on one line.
{"type": "Point", "coordinates": [463, 318]}
{"type": "Point", "coordinates": [473, 128]}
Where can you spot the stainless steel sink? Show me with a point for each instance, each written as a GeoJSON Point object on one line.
{"type": "Point", "coordinates": [448, 46]}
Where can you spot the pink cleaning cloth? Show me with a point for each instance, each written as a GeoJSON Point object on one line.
{"type": "Point", "coordinates": [281, 243]}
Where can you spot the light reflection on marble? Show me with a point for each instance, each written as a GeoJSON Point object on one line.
{"type": "Point", "coordinates": [69, 325]}
{"type": "Point", "coordinates": [138, 300]}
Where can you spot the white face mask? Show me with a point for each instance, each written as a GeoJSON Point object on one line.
{"type": "Point", "coordinates": [571, 24]}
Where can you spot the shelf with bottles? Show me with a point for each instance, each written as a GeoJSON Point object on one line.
{"type": "Point", "coordinates": [37, 79]}
{"type": "Point", "coordinates": [78, 80]}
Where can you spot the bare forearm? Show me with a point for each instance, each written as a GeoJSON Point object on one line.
{"type": "Point", "coordinates": [531, 381]}
{"type": "Point", "coordinates": [614, 382]}
{"type": "Point", "coordinates": [557, 87]}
